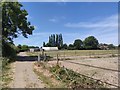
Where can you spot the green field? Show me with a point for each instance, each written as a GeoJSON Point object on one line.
{"type": "Point", "coordinates": [75, 52]}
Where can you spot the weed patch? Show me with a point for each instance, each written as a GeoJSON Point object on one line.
{"type": "Point", "coordinates": [75, 80]}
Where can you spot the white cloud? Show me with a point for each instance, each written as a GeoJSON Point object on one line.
{"type": "Point", "coordinates": [57, 19]}
{"type": "Point", "coordinates": [106, 30]}
{"type": "Point", "coordinates": [110, 22]}
{"type": "Point", "coordinates": [53, 20]}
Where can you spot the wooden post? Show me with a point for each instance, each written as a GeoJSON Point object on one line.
{"type": "Point", "coordinates": [38, 57]}
{"type": "Point", "coordinates": [45, 57]}
{"type": "Point", "coordinates": [64, 55]}
{"type": "Point", "coordinates": [75, 55]}
{"type": "Point", "coordinates": [57, 59]}
{"type": "Point", "coordinates": [42, 52]}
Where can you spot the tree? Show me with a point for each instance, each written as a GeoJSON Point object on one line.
{"type": "Point", "coordinates": [50, 41]}
{"type": "Point", "coordinates": [78, 44]}
{"type": "Point", "coordinates": [64, 46]}
{"type": "Point", "coordinates": [91, 43]}
{"type": "Point", "coordinates": [48, 45]}
{"type": "Point", "coordinates": [111, 46]}
{"type": "Point", "coordinates": [43, 44]}
{"type": "Point", "coordinates": [56, 39]}
{"type": "Point", "coordinates": [60, 41]}
{"type": "Point", "coordinates": [71, 47]}
{"type": "Point", "coordinates": [14, 22]}
{"type": "Point", "coordinates": [19, 48]}
{"type": "Point", "coordinates": [53, 40]}
{"type": "Point", "coordinates": [24, 48]}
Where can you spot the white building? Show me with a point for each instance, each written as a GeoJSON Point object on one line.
{"type": "Point", "coordinates": [50, 48]}
{"type": "Point", "coordinates": [34, 49]}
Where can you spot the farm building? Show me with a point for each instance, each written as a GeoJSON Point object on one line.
{"type": "Point", "coordinates": [103, 46]}
{"type": "Point", "coordinates": [50, 48]}
{"type": "Point", "coordinates": [34, 49]}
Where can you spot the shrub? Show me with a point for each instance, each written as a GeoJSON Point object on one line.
{"type": "Point", "coordinates": [8, 50]}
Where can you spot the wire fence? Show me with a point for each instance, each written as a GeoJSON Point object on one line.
{"type": "Point", "coordinates": [79, 54]}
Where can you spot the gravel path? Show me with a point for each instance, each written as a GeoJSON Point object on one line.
{"type": "Point", "coordinates": [24, 76]}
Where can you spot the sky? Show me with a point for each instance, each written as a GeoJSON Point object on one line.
{"type": "Point", "coordinates": [74, 20]}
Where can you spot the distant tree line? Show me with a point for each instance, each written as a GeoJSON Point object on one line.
{"type": "Point", "coordinates": [22, 48]}
{"type": "Point", "coordinates": [90, 43]}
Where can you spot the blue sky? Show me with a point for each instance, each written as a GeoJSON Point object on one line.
{"type": "Point", "coordinates": [75, 20]}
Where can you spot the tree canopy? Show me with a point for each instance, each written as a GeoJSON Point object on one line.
{"type": "Point", "coordinates": [78, 44]}
{"type": "Point", "coordinates": [54, 40]}
{"type": "Point", "coordinates": [90, 43]}
{"type": "Point", "coordinates": [14, 21]}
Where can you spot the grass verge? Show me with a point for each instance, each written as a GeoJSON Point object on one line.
{"type": "Point", "coordinates": [47, 78]}
{"type": "Point", "coordinates": [68, 78]}
{"type": "Point", "coordinates": [6, 73]}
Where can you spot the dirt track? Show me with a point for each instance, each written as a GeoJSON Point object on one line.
{"type": "Point", "coordinates": [23, 76]}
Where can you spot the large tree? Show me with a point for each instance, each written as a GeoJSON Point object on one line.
{"type": "Point", "coordinates": [43, 44]}
{"type": "Point", "coordinates": [14, 22]}
{"type": "Point", "coordinates": [60, 41]}
{"type": "Point", "coordinates": [71, 47]}
{"type": "Point", "coordinates": [91, 43]}
{"type": "Point", "coordinates": [56, 39]}
{"type": "Point", "coordinates": [64, 46]}
{"type": "Point", "coordinates": [78, 44]}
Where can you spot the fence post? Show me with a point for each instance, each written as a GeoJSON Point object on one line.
{"type": "Point", "coordinates": [57, 59]}
{"type": "Point", "coordinates": [64, 55]}
{"type": "Point", "coordinates": [45, 57]}
{"type": "Point", "coordinates": [75, 55]}
{"type": "Point", "coordinates": [38, 57]}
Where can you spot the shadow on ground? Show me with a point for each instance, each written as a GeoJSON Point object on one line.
{"type": "Point", "coordinates": [27, 58]}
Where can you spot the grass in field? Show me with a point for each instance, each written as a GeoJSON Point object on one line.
{"type": "Point", "coordinates": [73, 53]}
